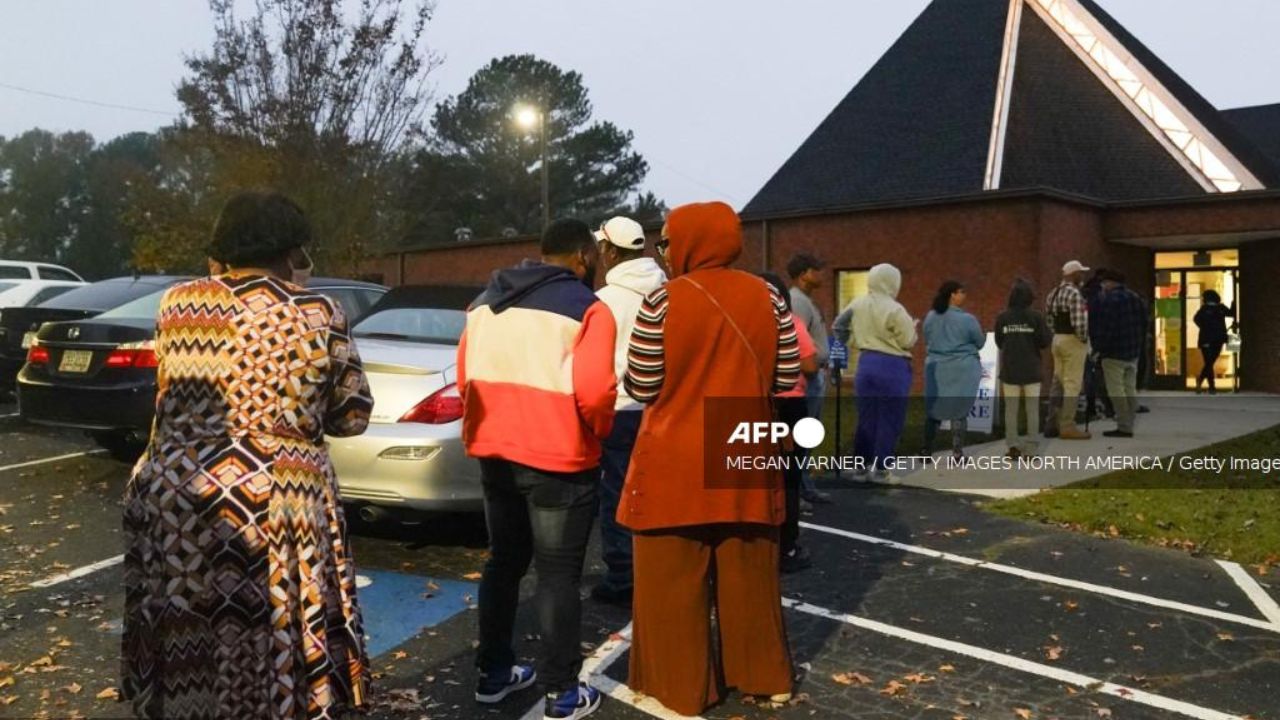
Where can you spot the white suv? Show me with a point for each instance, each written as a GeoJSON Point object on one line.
{"type": "Point", "coordinates": [19, 270]}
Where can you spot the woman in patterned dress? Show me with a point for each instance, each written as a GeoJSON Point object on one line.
{"type": "Point", "coordinates": [240, 588]}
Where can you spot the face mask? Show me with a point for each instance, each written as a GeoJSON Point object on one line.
{"type": "Point", "coordinates": [301, 275]}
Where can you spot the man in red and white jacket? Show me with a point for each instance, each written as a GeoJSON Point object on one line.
{"type": "Point", "coordinates": [536, 373]}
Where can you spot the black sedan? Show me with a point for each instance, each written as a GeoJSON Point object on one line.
{"type": "Point", "coordinates": [18, 325]}
{"type": "Point", "coordinates": [99, 374]}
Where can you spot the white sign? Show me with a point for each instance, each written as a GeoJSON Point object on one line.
{"type": "Point", "coordinates": [982, 414]}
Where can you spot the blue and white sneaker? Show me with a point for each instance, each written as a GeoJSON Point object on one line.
{"type": "Point", "coordinates": [495, 687]}
{"type": "Point", "coordinates": [572, 704]}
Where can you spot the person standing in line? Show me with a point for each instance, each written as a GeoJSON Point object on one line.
{"type": "Point", "coordinates": [1069, 315]}
{"type": "Point", "coordinates": [535, 371]}
{"type": "Point", "coordinates": [1122, 329]}
{"type": "Point", "coordinates": [884, 333]}
{"type": "Point", "coordinates": [952, 369]}
{"type": "Point", "coordinates": [706, 535]}
{"type": "Point", "coordinates": [805, 272]}
{"type": "Point", "coordinates": [791, 408]}
{"type": "Point", "coordinates": [1211, 319]}
{"type": "Point", "coordinates": [629, 277]}
{"type": "Point", "coordinates": [240, 588]}
{"type": "Point", "coordinates": [1021, 334]}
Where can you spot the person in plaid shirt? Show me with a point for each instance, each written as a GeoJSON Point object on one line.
{"type": "Point", "coordinates": [1121, 329]}
{"type": "Point", "coordinates": [1069, 316]}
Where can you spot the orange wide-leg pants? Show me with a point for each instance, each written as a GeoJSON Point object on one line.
{"type": "Point", "coordinates": [679, 573]}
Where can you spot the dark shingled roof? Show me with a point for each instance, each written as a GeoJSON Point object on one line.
{"type": "Point", "coordinates": [1069, 131]}
{"type": "Point", "coordinates": [1202, 109]}
{"type": "Point", "coordinates": [918, 124]}
{"type": "Point", "coordinates": [1261, 125]}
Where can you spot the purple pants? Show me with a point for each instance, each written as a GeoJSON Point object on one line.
{"type": "Point", "coordinates": [883, 383]}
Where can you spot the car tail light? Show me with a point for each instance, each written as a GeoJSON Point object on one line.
{"type": "Point", "coordinates": [440, 407]}
{"type": "Point", "coordinates": [38, 354]}
{"type": "Point", "coordinates": [136, 354]}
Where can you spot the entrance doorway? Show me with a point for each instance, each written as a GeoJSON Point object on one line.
{"type": "Point", "coordinates": [1182, 279]}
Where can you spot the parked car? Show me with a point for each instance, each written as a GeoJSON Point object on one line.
{"type": "Point", "coordinates": [25, 293]}
{"type": "Point", "coordinates": [411, 457]}
{"type": "Point", "coordinates": [99, 374]}
{"type": "Point", "coordinates": [355, 296]}
{"type": "Point", "coordinates": [21, 270]}
{"type": "Point", "coordinates": [18, 325]}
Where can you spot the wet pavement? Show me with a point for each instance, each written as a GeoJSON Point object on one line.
{"type": "Point", "coordinates": [919, 605]}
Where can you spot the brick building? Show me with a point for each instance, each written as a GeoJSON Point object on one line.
{"type": "Point", "coordinates": [998, 139]}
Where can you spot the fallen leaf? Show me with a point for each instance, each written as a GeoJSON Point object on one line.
{"type": "Point", "coordinates": [8, 699]}
{"type": "Point", "coordinates": [46, 660]}
{"type": "Point", "coordinates": [472, 576]}
{"type": "Point", "coordinates": [399, 655]}
{"type": "Point", "coordinates": [1102, 712]}
{"type": "Point", "coordinates": [73, 688]}
{"type": "Point", "coordinates": [1226, 636]}
{"type": "Point", "coordinates": [1071, 605]}
{"type": "Point", "coordinates": [918, 678]}
{"type": "Point", "coordinates": [1023, 713]}
{"type": "Point", "coordinates": [851, 678]}
{"type": "Point", "coordinates": [6, 681]}
{"type": "Point", "coordinates": [1053, 652]}
{"type": "Point", "coordinates": [893, 688]}
{"type": "Point", "coordinates": [109, 694]}
{"type": "Point", "coordinates": [947, 668]}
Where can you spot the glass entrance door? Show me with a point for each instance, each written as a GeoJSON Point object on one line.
{"type": "Point", "coordinates": [1182, 279]}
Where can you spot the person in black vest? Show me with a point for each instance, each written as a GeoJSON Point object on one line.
{"type": "Point", "coordinates": [1211, 318]}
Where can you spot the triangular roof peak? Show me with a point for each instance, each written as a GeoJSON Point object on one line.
{"type": "Point", "coordinates": [939, 115]}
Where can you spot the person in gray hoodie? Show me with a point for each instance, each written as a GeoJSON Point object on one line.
{"type": "Point", "coordinates": [1021, 335]}
{"type": "Point", "coordinates": [629, 277]}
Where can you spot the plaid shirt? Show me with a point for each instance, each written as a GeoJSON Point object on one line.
{"type": "Point", "coordinates": [1068, 299]}
{"type": "Point", "coordinates": [1121, 325]}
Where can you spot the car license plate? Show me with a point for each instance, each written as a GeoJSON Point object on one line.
{"type": "Point", "coordinates": [27, 340]}
{"type": "Point", "coordinates": [75, 361]}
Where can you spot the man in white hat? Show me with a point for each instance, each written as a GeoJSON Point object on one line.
{"type": "Point", "coordinates": [629, 277]}
{"type": "Point", "coordinates": [1069, 315]}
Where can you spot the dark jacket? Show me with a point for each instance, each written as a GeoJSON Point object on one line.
{"type": "Point", "coordinates": [1121, 325]}
{"type": "Point", "coordinates": [1211, 318]}
{"type": "Point", "coordinates": [1021, 333]}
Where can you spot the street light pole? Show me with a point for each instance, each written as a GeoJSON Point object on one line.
{"type": "Point", "coordinates": [546, 183]}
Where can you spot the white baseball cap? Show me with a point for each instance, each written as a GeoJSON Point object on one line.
{"type": "Point", "coordinates": [1075, 266]}
{"type": "Point", "coordinates": [623, 232]}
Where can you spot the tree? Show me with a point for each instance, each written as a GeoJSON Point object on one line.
{"type": "Point", "coordinates": [483, 172]}
{"type": "Point", "coordinates": [104, 243]}
{"type": "Point", "coordinates": [42, 194]}
{"type": "Point", "coordinates": [299, 98]}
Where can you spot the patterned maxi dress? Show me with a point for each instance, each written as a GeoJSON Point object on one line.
{"type": "Point", "coordinates": [240, 594]}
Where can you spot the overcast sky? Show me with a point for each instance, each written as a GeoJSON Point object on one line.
{"type": "Point", "coordinates": [718, 92]}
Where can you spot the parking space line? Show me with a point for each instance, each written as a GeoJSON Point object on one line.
{"type": "Point", "coordinates": [593, 669]}
{"type": "Point", "coordinates": [1053, 579]}
{"type": "Point", "coordinates": [1016, 663]}
{"type": "Point", "coordinates": [70, 456]}
{"type": "Point", "coordinates": [8, 415]}
{"type": "Point", "coordinates": [78, 572]}
{"type": "Point", "coordinates": [1267, 605]}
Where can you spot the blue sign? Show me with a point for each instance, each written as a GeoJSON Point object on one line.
{"type": "Point", "coordinates": [838, 354]}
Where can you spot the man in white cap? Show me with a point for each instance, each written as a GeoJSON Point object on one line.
{"type": "Point", "coordinates": [629, 277]}
{"type": "Point", "coordinates": [1069, 315]}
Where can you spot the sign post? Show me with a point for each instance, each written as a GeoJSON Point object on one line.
{"type": "Point", "coordinates": [838, 360]}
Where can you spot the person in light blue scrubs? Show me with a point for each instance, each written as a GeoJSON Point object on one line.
{"type": "Point", "coordinates": [952, 369]}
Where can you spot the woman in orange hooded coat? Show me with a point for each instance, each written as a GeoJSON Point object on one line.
{"type": "Point", "coordinates": [707, 352]}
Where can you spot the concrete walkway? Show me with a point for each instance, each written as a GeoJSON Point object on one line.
{"type": "Point", "coordinates": [1178, 423]}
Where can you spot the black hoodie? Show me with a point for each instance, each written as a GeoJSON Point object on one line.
{"type": "Point", "coordinates": [1021, 333]}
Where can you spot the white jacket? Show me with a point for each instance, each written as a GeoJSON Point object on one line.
{"type": "Point", "coordinates": [626, 285]}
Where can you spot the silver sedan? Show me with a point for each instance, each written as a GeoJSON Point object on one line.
{"type": "Point", "coordinates": [411, 457]}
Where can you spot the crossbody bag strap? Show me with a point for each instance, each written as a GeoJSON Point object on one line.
{"type": "Point", "coordinates": [766, 387]}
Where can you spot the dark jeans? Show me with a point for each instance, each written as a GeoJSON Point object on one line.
{"type": "Point", "coordinates": [615, 540]}
{"type": "Point", "coordinates": [1210, 353]}
{"type": "Point", "coordinates": [791, 410]}
{"type": "Point", "coordinates": [544, 517]}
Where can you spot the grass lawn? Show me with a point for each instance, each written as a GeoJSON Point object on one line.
{"type": "Point", "coordinates": [1180, 509]}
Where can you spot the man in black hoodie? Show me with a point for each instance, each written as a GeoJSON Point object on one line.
{"type": "Point", "coordinates": [1021, 333]}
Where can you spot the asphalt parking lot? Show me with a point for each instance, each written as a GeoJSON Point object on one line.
{"type": "Point", "coordinates": [919, 606]}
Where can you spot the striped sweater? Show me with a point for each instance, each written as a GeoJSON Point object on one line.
{"type": "Point", "coordinates": [646, 370]}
